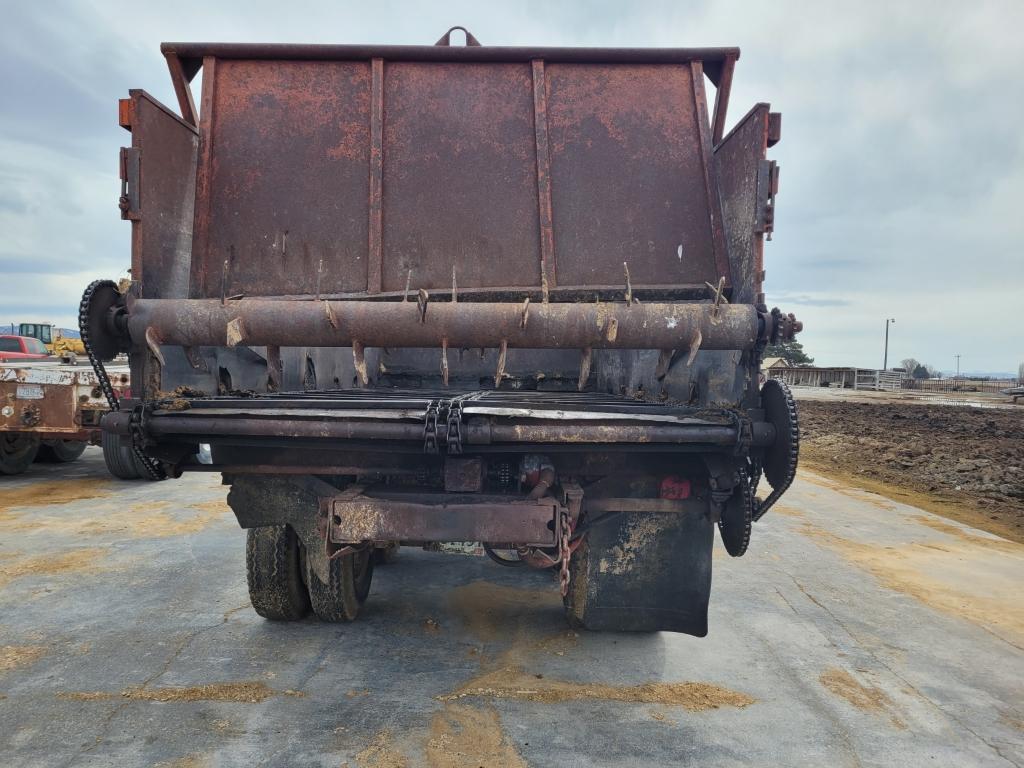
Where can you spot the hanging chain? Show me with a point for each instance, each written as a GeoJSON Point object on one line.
{"type": "Point", "coordinates": [152, 468]}
{"type": "Point", "coordinates": [564, 552]}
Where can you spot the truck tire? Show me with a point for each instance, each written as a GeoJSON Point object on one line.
{"type": "Point", "coordinates": [274, 573]}
{"type": "Point", "coordinates": [17, 452]}
{"type": "Point", "coordinates": [119, 457]}
{"type": "Point", "coordinates": [342, 597]}
{"type": "Point", "coordinates": [61, 451]}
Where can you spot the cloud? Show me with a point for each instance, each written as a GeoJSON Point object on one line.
{"type": "Point", "coordinates": [902, 159]}
{"type": "Point", "coordinates": [789, 299]}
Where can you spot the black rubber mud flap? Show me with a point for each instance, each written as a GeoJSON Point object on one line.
{"type": "Point", "coordinates": [644, 572]}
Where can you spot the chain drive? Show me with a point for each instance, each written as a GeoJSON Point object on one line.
{"type": "Point", "coordinates": [152, 468]}
{"type": "Point", "coordinates": [564, 552]}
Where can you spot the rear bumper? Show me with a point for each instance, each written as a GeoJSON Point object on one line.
{"type": "Point", "coordinates": [419, 518]}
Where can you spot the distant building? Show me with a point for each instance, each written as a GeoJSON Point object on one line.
{"type": "Point", "coordinates": [773, 363]}
{"type": "Point", "coordinates": [840, 378]}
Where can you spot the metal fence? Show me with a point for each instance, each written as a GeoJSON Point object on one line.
{"type": "Point", "coordinates": [958, 385]}
{"type": "Point", "coordinates": [839, 378]}
{"type": "Point", "coordinates": [888, 381]}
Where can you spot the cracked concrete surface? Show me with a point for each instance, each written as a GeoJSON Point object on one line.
{"type": "Point", "coordinates": [867, 633]}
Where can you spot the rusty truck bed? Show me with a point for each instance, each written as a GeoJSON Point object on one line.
{"type": "Point", "coordinates": [427, 294]}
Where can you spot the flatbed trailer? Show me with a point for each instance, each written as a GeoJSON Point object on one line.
{"type": "Point", "coordinates": [430, 294]}
{"type": "Point", "coordinates": [51, 410]}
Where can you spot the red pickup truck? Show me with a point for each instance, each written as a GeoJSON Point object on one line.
{"type": "Point", "coordinates": [21, 348]}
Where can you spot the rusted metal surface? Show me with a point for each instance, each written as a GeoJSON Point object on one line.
{"type": "Point", "coordinates": [193, 54]}
{"type": "Point", "coordinates": [593, 434]}
{"type": "Point", "coordinates": [376, 247]}
{"type": "Point", "coordinates": [444, 517]}
{"type": "Point", "coordinates": [623, 137]}
{"type": "Point", "coordinates": [176, 424]}
{"type": "Point", "coordinates": [401, 166]}
{"type": "Point", "coordinates": [463, 324]}
{"type": "Point", "coordinates": [543, 155]}
{"type": "Point", "coordinates": [460, 186]}
{"type": "Point", "coordinates": [463, 421]}
{"type": "Point", "coordinates": [162, 177]}
{"type": "Point", "coordinates": [554, 251]}
{"type": "Point", "coordinates": [54, 400]}
{"type": "Point", "coordinates": [182, 89]}
{"type": "Point", "coordinates": [479, 433]}
{"type": "Point", "coordinates": [722, 93]}
{"type": "Point", "coordinates": [464, 475]}
{"type": "Point", "coordinates": [743, 177]}
{"type": "Point", "coordinates": [516, 200]}
{"type": "Point", "coordinates": [292, 146]}
{"type": "Point", "coordinates": [714, 206]}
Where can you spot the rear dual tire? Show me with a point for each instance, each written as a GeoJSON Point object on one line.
{"type": "Point", "coordinates": [273, 569]}
{"type": "Point", "coordinates": [120, 458]}
{"type": "Point", "coordinates": [60, 451]}
{"type": "Point", "coordinates": [282, 586]}
{"type": "Point", "coordinates": [17, 452]}
{"type": "Point", "coordinates": [348, 584]}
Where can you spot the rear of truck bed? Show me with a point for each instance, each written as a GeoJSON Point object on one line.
{"type": "Point", "coordinates": [425, 294]}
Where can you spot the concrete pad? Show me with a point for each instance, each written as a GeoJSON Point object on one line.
{"type": "Point", "coordinates": [857, 631]}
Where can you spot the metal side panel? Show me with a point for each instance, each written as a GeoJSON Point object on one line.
{"type": "Point", "coordinates": [160, 182]}
{"type": "Point", "coordinates": [358, 177]}
{"type": "Point", "coordinates": [627, 176]}
{"type": "Point", "coordinates": [459, 178]}
{"type": "Point", "coordinates": [286, 166]}
{"type": "Point", "coordinates": [739, 159]}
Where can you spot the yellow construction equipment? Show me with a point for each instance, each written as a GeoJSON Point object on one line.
{"type": "Point", "coordinates": [56, 342]}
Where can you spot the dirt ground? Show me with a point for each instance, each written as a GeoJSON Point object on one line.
{"type": "Point", "coordinates": [964, 463]}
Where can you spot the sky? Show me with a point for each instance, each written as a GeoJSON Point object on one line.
{"type": "Point", "coordinates": [902, 153]}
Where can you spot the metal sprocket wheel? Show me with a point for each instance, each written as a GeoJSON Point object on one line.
{"type": "Point", "coordinates": [101, 298]}
{"type": "Point", "coordinates": [780, 460]}
{"type": "Point", "coordinates": [780, 411]}
{"type": "Point", "coordinates": [735, 524]}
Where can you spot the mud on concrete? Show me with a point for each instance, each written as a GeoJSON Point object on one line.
{"type": "Point", "coordinates": [964, 463]}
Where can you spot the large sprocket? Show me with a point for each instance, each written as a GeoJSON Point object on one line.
{"type": "Point", "coordinates": [95, 313]}
{"type": "Point", "coordinates": [780, 460]}
{"type": "Point", "coordinates": [734, 524]}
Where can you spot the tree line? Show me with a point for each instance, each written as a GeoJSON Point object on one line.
{"type": "Point", "coordinates": [916, 370]}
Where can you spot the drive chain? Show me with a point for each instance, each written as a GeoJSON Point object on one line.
{"type": "Point", "coordinates": [564, 552]}
{"type": "Point", "coordinates": [153, 469]}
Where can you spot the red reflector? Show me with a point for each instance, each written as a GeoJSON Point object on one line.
{"type": "Point", "coordinates": [673, 487]}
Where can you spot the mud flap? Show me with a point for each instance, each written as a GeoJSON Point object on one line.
{"type": "Point", "coordinates": [644, 572]}
{"type": "Point", "coordinates": [260, 500]}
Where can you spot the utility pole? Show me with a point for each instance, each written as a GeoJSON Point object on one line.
{"type": "Point", "coordinates": [885, 358]}
{"type": "Point", "coordinates": [957, 365]}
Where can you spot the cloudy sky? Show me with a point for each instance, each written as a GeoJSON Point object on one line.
{"type": "Point", "coordinates": [902, 154]}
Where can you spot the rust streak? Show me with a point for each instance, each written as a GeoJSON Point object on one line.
{"type": "Point", "coordinates": [373, 278]}
{"type": "Point", "coordinates": [201, 227]}
{"type": "Point", "coordinates": [547, 237]}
